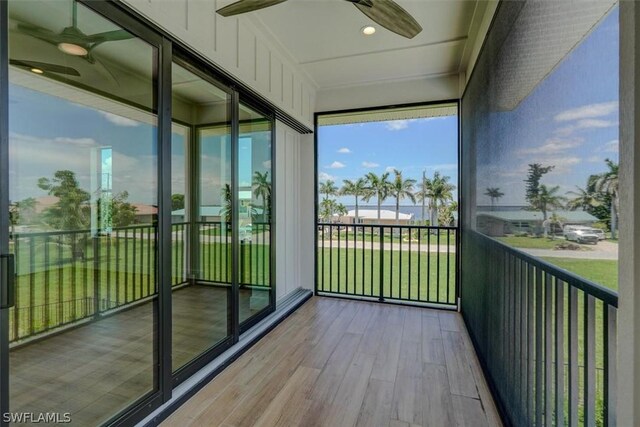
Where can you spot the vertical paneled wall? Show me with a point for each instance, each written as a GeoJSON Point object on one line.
{"type": "Point", "coordinates": [237, 46]}
{"type": "Point", "coordinates": [293, 206]}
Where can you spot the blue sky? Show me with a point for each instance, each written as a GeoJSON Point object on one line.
{"type": "Point", "coordinates": [351, 151]}
{"type": "Point", "coordinates": [570, 121]}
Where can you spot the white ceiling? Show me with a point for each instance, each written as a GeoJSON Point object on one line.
{"type": "Point", "coordinates": [324, 38]}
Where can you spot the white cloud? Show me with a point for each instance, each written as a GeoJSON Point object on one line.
{"type": "Point", "coordinates": [585, 124]}
{"type": "Point", "coordinates": [594, 159]}
{"type": "Point", "coordinates": [390, 169]}
{"type": "Point", "coordinates": [393, 125]}
{"type": "Point", "coordinates": [119, 120]}
{"type": "Point", "coordinates": [266, 164]}
{"type": "Point", "coordinates": [588, 111]}
{"type": "Point", "coordinates": [323, 176]}
{"type": "Point", "coordinates": [344, 150]}
{"type": "Point", "coordinates": [78, 142]}
{"type": "Point", "coordinates": [612, 146]}
{"type": "Point", "coordinates": [553, 146]}
{"type": "Point", "coordinates": [336, 165]}
{"type": "Point", "coordinates": [370, 165]}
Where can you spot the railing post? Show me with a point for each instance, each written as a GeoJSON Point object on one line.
{"type": "Point", "coordinates": [380, 284]}
{"type": "Point", "coordinates": [241, 276]}
{"type": "Point", "coordinates": [96, 275]}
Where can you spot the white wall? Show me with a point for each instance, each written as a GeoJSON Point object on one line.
{"type": "Point", "coordinates": [389, 93]}
{"type": "Point", "coordinates": [294, 210]}
{"type": "Point", "coordinates": [237, 46]}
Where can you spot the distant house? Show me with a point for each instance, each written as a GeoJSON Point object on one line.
{"type": "Point", "coordinates": [213, 213]}
{"type": "Point", "coordinates": [145, 214]}
{"type": "Point", "coordinates": [500, 223]}
{"type": "Point", "coordinates": [370, 216]}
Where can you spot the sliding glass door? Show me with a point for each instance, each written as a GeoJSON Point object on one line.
{"type": "Point", "coordinates": [255, 212]}
{"type": "Point", "coordinates": [201, 216]}
{"type": "Point", "coordinates": [83, 189]}
{"type": "Point", "coordinates": [136, 211]}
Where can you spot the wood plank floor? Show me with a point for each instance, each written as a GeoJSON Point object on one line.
{"type": "Point", "coordinates": [96, 370]}
{"type": "Point", "coordinates": [341, 363]}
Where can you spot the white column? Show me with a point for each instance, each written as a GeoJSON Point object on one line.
{"type": "Point", "coordinates": [629, 245]}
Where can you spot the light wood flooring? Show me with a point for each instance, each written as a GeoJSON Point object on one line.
{"type": "Point", "coordinates": [98, 369]}
{"type": "Point", "coordinates": [341, 363]}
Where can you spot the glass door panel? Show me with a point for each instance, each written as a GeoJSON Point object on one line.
{"type": "Point", "coordinates": [84, 195]}
{"type": "Point", "coordinates": [201, 177]}
{"type": "Point", "coordinates": [254, 213]}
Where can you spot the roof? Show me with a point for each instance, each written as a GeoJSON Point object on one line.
{"type": "Point", "coordinates": [142, 209]}
{"type": "Point", "coordinates": [384, 214]}
{"type": "Point", "coordinates": [567, 216]}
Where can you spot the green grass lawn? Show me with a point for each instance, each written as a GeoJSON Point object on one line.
{"type": "Point", "coordinates": [416, 277]}
{"type": "Point", "coordinates": [423, 236]}
{"type": "Point", "coordinates": [602, 272]}
{"type": "Point", "coordinates": [54, 288]}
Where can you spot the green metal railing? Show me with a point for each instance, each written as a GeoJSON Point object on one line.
{"type": "Point", "coordinates": [546, 337]}
{"type": "Point", "coordinates": [401, 263]}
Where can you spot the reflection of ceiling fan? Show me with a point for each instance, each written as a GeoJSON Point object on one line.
{"type": "Point", "coordinates": [387, 13]}
{"type": "Point", "coordinates": [72, 40]}
{"type": "Point", "coordinates": [42, 67]}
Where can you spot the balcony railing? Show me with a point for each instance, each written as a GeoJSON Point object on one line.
{"type": "Point", "coordinates": [66, 277]}
{"type": "Point", "coordinates": [402, 263]}
{"type": "Point", "coordinates": [546, 337]}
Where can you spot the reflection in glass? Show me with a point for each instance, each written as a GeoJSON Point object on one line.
{"type": "Point", "coordinates": [83, 192]}
{"type": "Point", "coordinates": [201, 216]}
{"type": "Point", "coordinates": [545, 146]}
{"type": "Point", "coordinates": [254, 222]}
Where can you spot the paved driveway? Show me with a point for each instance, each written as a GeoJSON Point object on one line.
{"type": "Point", "coordinates": [603, 250]}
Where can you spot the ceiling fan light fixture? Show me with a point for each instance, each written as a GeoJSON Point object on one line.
{"type": "Point", "coordinates": [368, 30]}
{"type": "Point", "coordinates": [37, 70]}
{"type": "Point", "coordinates": [73, 49]}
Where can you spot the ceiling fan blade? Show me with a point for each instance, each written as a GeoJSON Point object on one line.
{"type": "Point", "coordinates": [244, 6]}
{"type": "Point", "coordinates": [44, 66]}
{"type": "Point", "coordinates": [109, 36]}
{"type": "Point", "coordinates": [391, 16]}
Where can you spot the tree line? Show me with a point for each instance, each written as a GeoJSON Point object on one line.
{"type": "Point", "coordinates": [434, 193]}
{"type": "Point", "coordinates": [600, 196]}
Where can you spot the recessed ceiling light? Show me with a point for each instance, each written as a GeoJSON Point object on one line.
{"type": "Point", "coordinates": [73, 49]}
{"type": "Point", "coordinates": [37, 71]}
{"type": "Point", "coordinates": [368, 30]}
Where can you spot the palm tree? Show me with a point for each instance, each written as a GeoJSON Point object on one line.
{"type": "Point", "coordinates": [357, 189]}
{"type": "Point", "coordinates": [608, 183]}
{"type": "Point", "coordinates": [401, 188]}
{"type": "Point", "coordinates": [378, 188]}
{"type": "Point", "coordinates": [328, 207]}
{"type": "Point", "coordinates": [227, 208]}
{"type": "Point", "coordinates": [440, 191]}
{"type": "Point", "coordinates": [494, 193]}
{"type": "Point", "coordinates": [328, 188]}
{"type": "Point", "coordinates": [548, 199]}
{"type": "Point", "coordinates": [584, 199]}
{"type": "Point", "coordinates": [423, 193]}
{"type": "Point", "coordinates": [262, 189]}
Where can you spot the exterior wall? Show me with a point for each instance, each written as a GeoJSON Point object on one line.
{"type": "Point", "coordinates": [238, 47]}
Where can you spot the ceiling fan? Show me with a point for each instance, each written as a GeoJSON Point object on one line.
{"type": "Point", "coordinates": [387, 13]}
{"type": "Point", "coordinates": [72, 40]}
{"type": "Point", "coordinates": [38, 67]}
